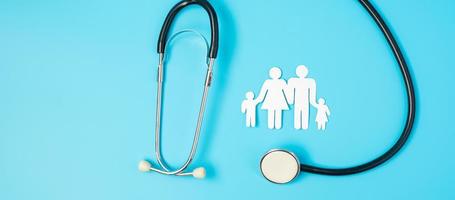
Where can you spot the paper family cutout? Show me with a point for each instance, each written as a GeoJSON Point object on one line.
{"type": "Point", "coordinates": [276, 95]}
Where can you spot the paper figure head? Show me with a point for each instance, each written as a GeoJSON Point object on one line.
{"type": "Point", "coordinates": [249, 95]}
{"type": "Point", "coordinates": [301, 71]}
{"type": "Point", "coordinates": [275, 73]}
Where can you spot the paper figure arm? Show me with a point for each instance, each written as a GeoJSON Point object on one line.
{"type": "Point", "coordinates": [289, 91]}
{"type": "Point", "coordinates": [243, 107]}
{"type": "Point", "coordinates": [263, 92]}
{"type": "Point", "coordinates": [313, 93]}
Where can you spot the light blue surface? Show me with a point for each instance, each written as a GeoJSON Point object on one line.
{"type": "Point", "coordinates": [77, 83]}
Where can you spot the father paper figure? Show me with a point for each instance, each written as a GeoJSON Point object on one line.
{"type": "Point", "coordinates": [301, 92]}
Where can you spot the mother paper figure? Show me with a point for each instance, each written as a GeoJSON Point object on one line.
{"type": "Point", "coordinates": [273, 98]}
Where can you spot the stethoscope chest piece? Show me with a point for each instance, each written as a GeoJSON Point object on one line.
{"type": "Point", "coordinates": [280, 166]}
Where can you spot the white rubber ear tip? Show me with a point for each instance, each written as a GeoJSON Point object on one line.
{"type": "Point", "coordinates": [144, 166]}
{"type": "Point", "coordinates": [199, 173]}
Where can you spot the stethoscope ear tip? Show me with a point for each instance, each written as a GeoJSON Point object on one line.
{"type": "Point", "coordinates": [199, 173]}
{"type": "Point", "coordinates": [144, 166]}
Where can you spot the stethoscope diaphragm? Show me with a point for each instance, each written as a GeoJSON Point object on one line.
{"type": "Point", "coordinates": [280, 166]}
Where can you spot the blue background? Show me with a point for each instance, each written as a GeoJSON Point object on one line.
{"type": "Point", "coordinates": [77, 98]}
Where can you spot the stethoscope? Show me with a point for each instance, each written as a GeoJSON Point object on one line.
{"type": "Point", "coordinates": [277, 165]}
{"type": "Point", "coordinates": [212, 53]}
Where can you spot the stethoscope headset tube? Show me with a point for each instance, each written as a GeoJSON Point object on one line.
{"type": "Point", "coordinates": [212, 53]}
{"type": "Point", "coordinates": [411, 109]}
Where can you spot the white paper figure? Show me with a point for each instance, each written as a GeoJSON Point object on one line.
{"type": "Point", "coordinates": [273, 97]}
{"type": "Point", "coordinates": [322, 114]}
{"type": "Point", "coordinates": [249, 108]}
{"type": "Point", "coordinates": [301, 92]}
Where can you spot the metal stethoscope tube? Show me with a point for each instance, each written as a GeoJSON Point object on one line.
{"type": "Point", "coordinates": [212, 53]}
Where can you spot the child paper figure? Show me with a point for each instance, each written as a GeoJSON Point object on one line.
{"type": "Point", "coordinates": [249, 108]}
{"type": "Point", "coordinates": [322, 114]}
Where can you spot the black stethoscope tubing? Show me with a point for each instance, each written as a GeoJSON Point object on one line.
{"type": "Point", "coordinates": [410, 114]}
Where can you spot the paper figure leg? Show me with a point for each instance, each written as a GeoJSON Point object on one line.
{"type": "Point", "coordinates": [252, 118]}
{"type": "Point", "coordinates": [278, 119]}
{"type": "Point", "coordinates": [305, 115]}
{"type": "Point", "coordinates": [297, 118]}
{"type": "Point", "coordinates": [271, 119]}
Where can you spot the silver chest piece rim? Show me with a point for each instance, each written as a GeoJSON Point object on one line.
{"type": "Point", "coordinates": [279, 166]}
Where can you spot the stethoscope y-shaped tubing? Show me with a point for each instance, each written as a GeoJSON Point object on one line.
{"type": "Point", "coordinates": [411, 106]}
{"type": "Point", "coordinates": [212, 53]}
